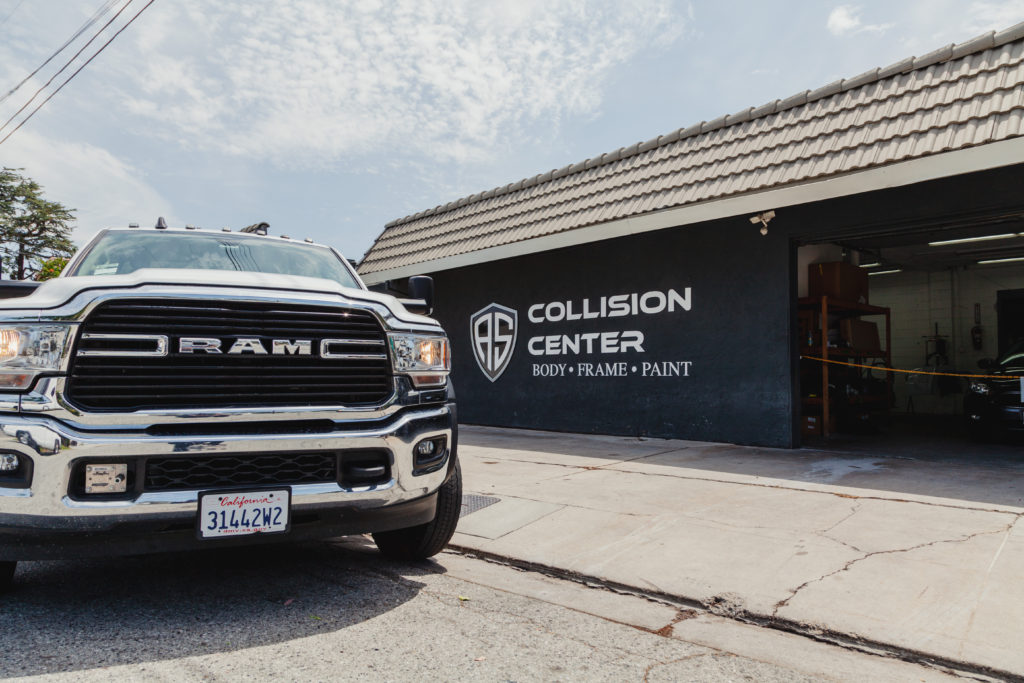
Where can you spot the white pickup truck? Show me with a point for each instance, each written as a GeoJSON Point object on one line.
{"type": "Point", "coordinates": [184, 388]}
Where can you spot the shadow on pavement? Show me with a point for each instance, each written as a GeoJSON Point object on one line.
{"type": "Point", "coordinates": [77, 615]}
{"type": "Point", "coordinates": [918, 457]}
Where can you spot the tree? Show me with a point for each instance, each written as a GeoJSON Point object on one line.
{"type": "Point", "coordinates": [32, 229]}
{"type": "Point", "coordinates": [51, 268]}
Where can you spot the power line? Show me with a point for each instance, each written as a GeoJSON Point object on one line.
{"type": "Point", "coordinates": [66, 65]}
{"type": "Point", "coordinates": [11, 12]}
{"type": "Point", "coordinates": [96, 54]}
{"type": "Point", "coordinates": [89, 22]}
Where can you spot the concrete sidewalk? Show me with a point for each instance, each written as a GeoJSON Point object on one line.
{"type": "Point", "coordinates": [922, 558]}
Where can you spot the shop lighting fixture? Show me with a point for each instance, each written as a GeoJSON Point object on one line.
{"type": "Point", "coordinates": [1001, 260]}
{"type": "Point", "coordinates": [869, 265]}
{"type": "Point", "coordinates": [886, 272]}
{"type": "Point", "coordinates": [983, 238]}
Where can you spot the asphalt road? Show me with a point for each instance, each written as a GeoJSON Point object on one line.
{"type": "Point", "coordinates": [340, 612]}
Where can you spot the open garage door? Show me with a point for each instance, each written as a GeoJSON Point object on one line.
{"type": "Point", "coordinates": [893, 319]}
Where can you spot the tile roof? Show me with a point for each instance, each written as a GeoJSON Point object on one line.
{"type": "Point", "coordinates": [955, 97]}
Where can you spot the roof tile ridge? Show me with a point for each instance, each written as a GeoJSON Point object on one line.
{"type": "Point", "coordinates": [477, 206]}
{"type": "Point", "coordinates": [737, 142]}
{"type": "Point", "coordinates": [859, 106]}
{"type": "Point", "coordinates": [826, 91]}
{"type": "Point", "coordinates": [748, 171]}
{"type": "Point", "coordinates": [795, 181]}
{"type": "Point", "coordinates": [946, 53]}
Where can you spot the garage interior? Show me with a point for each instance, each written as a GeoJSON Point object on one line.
{"type": "Point", "coordinates": [952, 293]}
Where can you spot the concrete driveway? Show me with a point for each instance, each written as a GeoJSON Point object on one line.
{"type": "Point", "coordinates": [917, 557]}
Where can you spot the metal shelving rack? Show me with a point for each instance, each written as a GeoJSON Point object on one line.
{"type": "Point", "coordinates": [823, 306]}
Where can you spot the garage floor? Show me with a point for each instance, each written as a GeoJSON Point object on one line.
{"type": "Point", "coordinates": [923, 437]}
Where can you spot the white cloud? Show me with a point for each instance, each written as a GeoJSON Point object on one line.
{"type": "Point", "coordinates": [845, 19]}
{"type": "Point", "coordinates": [307, 83]}
{"type": "Point", "coordinates": [104, 190]}
{"type": "Point", "coordinates": [994, 16]}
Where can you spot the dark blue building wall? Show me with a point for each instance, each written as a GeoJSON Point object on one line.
{"type": "Point", "coordinates": [720, 371]}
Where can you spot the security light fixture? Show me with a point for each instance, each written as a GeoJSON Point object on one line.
{"type": "Point", "coordinates": [763, 219]}
{"type": "Point", "coordinates": [870, 265]}
{"type": "Point", "coordinates": [983, 238]}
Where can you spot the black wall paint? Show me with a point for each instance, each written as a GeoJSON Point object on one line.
{"type": "Point", "coordinates": [736, 336]}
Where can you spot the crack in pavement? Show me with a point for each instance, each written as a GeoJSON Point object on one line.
{"type": "Point", "coordinates": [739, 614]}
{"type": "Point", "coordinates": [785, 601]}
{"type": "Point", "coordinates": [853, 510]}
{"type": "Point", "coordinates": [824, 532]}
{"type": "Point", "coordinates": [648, 670]}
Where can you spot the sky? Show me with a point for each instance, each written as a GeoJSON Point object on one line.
{"type": "Point", "coordinates": [330, 118]}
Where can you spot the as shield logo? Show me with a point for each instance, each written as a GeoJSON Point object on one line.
{"type": "Point", "coordinates": [493, 329]}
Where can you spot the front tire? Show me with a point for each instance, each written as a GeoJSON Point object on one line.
{"type": "Point", "coordinates": [7, 575]}
{"type": "Point", "coordinates": [427, 540]}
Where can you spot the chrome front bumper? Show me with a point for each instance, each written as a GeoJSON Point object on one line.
{"type": "Point", "coordinates": [53, 447]}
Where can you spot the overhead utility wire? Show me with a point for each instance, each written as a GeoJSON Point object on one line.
{"type": "Point", "coordinates": [11, 13]}
{"type": "Point", "coordinates": [79, 69]}
{"type": "Point", "coordinates": [92, 20]}
{"type": "Point", "coordinates": [66, 65]}
{"type": "Point", "coordinates": [61, 86]}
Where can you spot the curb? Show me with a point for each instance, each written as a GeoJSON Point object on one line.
{"type": "Point", "coordinates": [722, 608]}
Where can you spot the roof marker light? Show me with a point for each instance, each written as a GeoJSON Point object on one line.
{"type": "Point", "coordinates": [161, 224]}
{"type": "Point", "coordinates": [133, 225]}
{"type": "Point", "coordinates": [308, 240]}
{"type": "Point", "coordinates": [225, 229]}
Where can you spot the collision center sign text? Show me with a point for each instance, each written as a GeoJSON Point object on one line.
{"type": "Point", "coordinates": [494, 330]}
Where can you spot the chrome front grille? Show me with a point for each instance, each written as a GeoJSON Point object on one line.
{"type": "Point", "coordinates": [267, 354]}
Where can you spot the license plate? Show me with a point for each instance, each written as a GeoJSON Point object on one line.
{"type": "Point", "coordinates": [240, 513]}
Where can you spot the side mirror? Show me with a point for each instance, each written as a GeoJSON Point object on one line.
{"type": "Point", "coordinates": [987, 363]}
{"type": "Point", "coordinates": [421, 289]}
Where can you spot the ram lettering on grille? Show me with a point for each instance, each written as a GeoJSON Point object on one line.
{"type": "Point", "coordinates": [143, 354]}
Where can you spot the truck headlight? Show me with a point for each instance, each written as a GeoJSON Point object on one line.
{"type": "Point", "coordinates": [27, 350]}
{"type": "Point", "coordinates": [424, 358]}
{"type": "Point", "coordinates": [979, 388]}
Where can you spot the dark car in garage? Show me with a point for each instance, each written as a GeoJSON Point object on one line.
{"type": "Point", "coordinates": [995, 404]}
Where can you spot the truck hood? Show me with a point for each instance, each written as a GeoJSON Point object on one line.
{"type": "Point", "coordinates": [59, 291]}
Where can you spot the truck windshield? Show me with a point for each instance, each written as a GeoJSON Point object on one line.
{"type": "Point", "coordinates": [118, 253]}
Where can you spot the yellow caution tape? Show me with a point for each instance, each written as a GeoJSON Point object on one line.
{"type": "Point", "coordinates": [909, 372]}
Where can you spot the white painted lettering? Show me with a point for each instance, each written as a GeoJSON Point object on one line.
{"type": "Point", "coordinates": [536, 346]}
{"type": "Point", "coordinates": [652, 302]}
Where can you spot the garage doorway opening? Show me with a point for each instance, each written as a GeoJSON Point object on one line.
{"type": "Point", "coordinates": [926, 304]}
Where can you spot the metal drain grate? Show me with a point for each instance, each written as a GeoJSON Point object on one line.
{"type": "Point", "coordinates": [472, 503]}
